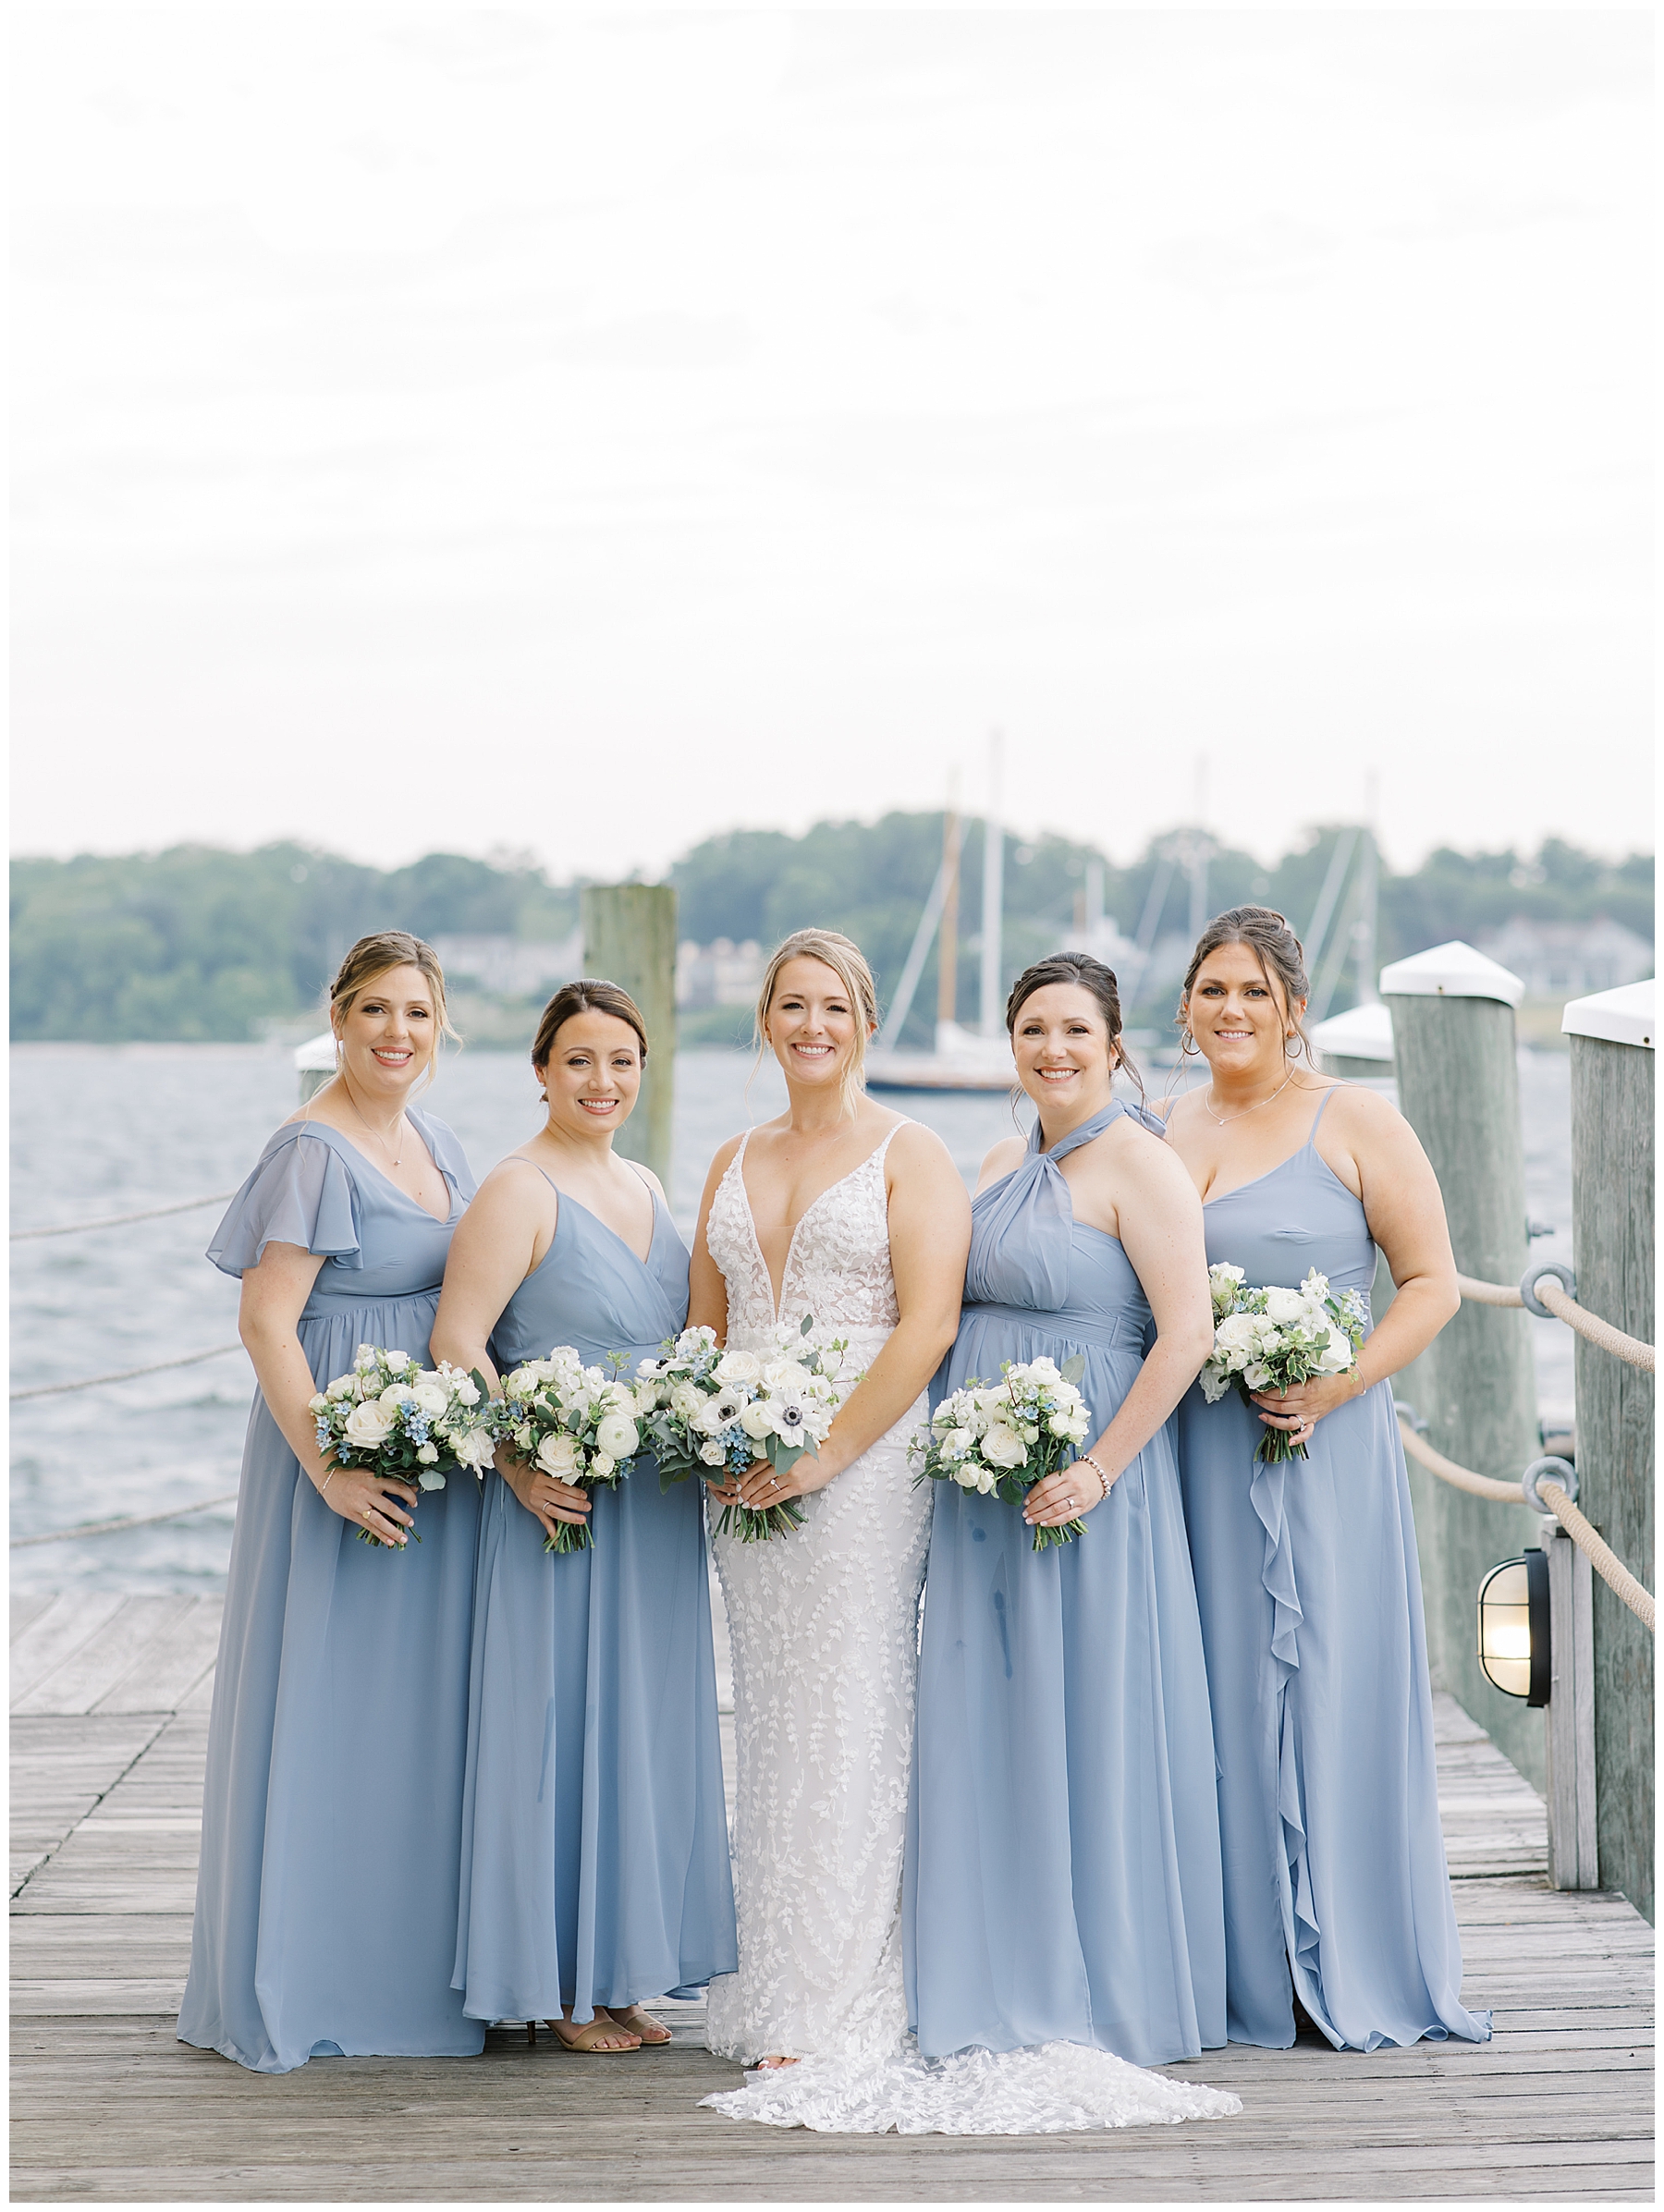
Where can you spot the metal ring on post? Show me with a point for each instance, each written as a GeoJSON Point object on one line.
{"type": "Point", "coordinates": [1533, 1275]}
{"type": "Point", "coordinates": [1558, 1471]}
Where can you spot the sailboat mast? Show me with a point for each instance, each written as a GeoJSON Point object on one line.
{"type": "Point", "coordinates": [992, 913]}
{"type": "Point", "coordinates": [948, 944]}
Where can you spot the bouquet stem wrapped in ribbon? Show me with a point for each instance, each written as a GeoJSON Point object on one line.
{"type": "Point", "coordinates": [1273, 1339]}
{"type": "Point", "coordinates": [575, 1423]}
{"type": "Point", "coordinates": [715, 1414]}
{"type": "Point", "coordinates": [1002, 1439]}
{"type": "Point", "coordinates": [415, 1424]}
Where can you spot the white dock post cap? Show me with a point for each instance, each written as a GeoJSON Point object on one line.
{"type": "Point", "coordinates": [1620, 1016]}
{"type": "Point", "coordinates": [317, 1054]}
{"type": "Point", "coordinates": [1363, 1033]}
{"type": "Point", "coordinates": [1453, 971]}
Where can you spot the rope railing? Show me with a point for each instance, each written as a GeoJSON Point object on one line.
{"type": "Point", "coordinates": [1539, 1293]}
{"type": "Point", "coordinates": [110, 1528]}
{"type": "Point", "coordinates": [71, 1229]}
{"type": "Point", "coordinates": [127, 1374]}
{"type": "Point", "coordinates": [1538, 1491]}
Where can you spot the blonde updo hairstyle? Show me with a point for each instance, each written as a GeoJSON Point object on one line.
{"type": "Point", "coordinates": [375, 956]}
{"type": "Point", "coordinates": [1271, 937]}
{"type": "Point", "coordinates": [848, 963]}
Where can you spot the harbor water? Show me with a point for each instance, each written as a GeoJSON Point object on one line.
{"type": "Point", "coordinates": [99, 1130]}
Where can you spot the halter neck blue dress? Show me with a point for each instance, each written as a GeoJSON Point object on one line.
{"type": "Point", "coordinates": [1062, 1881]}
{"type": "Point", "coordinates": [594, 1839]}
{"type": "Point", "coordinates": [340, 1699]}
{"type": "Point", "coordinates": [1311, 1601]}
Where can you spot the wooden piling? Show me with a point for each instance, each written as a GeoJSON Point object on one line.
{"type": "Point", "coordinates": [630, 939]}
{"type": "Point", "coordinates": [1612, 1252]}
{"type": "Point", "coordinates": [1476, 1385]}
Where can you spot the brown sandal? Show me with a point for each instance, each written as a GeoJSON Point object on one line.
{"type": "Point", "coordinates": [629, 2018]}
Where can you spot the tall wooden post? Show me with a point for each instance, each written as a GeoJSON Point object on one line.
{"type": "Point", "coordinates": [1454, 1037]}
{"type": "Point", "coordinates": [1612, 1050]}
{"type": "Point", "coordinates": [630, 939]}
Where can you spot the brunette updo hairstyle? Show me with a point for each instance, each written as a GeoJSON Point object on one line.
{"type": "Point", "coordinates": [1271, 939]}
{"type": "Point", "coordinates": [587, 996]}
{"type": "Point", "coordinates": [1089, 975]}
{"type": "Point", "coordinates": [373, 956]}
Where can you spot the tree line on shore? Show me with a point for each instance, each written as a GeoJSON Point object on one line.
{"type": "Point", "coordinates": [200, 944]}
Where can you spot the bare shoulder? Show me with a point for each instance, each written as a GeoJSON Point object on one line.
{"type": "Point", "coordinates": [1145, 1160]}
{"type": "Point", "coordinates": [916, 1150]}
{"type": "Point", "coordinates": [1354, 1112]}
{"type": "Point", "coordinates": [1002, 1159]}
{"type": "Point", "coordinates": [516, 1182]}
{"type": "Point", "coordinates": [723, 1158]}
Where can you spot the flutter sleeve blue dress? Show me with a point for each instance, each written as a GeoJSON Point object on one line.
{"type": "Point", "coordinates": [1335, 1881]}
{"type": "Point", "coordinates": [326, 1898]}
{"type": "Point", "coordinates": [594, 1839]}
{"type": "Point", "coordinates": [1063, 1882]}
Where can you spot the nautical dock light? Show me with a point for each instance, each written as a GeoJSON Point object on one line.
{"type": "Point", "coordinates": [1513, 1627]}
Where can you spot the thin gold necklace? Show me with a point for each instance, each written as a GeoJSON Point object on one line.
{"type": "Point", "coordinates": [403, 1124]}
{"type": "Point", "coordinates": [1225, 1120]}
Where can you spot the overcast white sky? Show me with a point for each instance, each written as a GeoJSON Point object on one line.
{"type": "Point", "coordinates": [579, 433]}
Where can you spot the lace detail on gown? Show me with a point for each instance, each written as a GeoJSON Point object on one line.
{"type": "Point", "coordinates": [823, 1626]}
{"type": "Point", "coordinates": [824, 1630]}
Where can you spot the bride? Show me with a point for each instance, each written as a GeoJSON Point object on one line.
{"type": "Point", "coordinates": [856, 1217]}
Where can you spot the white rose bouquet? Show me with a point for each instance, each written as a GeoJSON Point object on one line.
{"type": "Point", "coordinates": [1002, 1439]}
{"type": "Point", "coordinates": [715, 1414]}
{"type": "Point", "coordinates": [576, 1423]}
{"type": "Point", "coordinates": [1271, 1339]}
{"type": "Point", "coordinates": [416, 1423]}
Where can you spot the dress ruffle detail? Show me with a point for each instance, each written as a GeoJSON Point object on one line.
{"type": "Point", "coordinates": [299, 1193]}
{"type": "Point", "coordinates": [1051, 2089]}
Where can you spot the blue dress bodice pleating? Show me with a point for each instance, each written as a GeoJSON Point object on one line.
{"type": "Point", "coordinates": [1063, 1880]}
{"type": "Point", "coordinates": [1310, 1594]}
{"type": "Point", "coordinates": [594, 1850]}
{"type": "Point", "coordinates": [339, 1720]}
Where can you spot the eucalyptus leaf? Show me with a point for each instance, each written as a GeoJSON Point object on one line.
{"type": "Point", "coordinates": [1073, 1368]}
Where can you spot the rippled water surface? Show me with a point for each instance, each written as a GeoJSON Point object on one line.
{"type": "Point", "coordinates": [98, 1132]}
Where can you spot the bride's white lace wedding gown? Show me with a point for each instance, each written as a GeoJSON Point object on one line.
{"type": "Point", "coordinates": [823, 1626]}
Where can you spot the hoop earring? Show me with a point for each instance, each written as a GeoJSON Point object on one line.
{"type": "Point", "coordinates": [1187, 1047]}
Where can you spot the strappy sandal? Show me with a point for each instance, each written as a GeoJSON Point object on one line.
{"type": "Point", "coordinates": [581, 2040]}
{"type": "Point", "coordinates": [625, 2017]}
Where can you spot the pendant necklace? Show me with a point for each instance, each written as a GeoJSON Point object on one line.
{"type": "Point", "coordinates": [1225, 1120]}
{"type": "Point", "coordinates": [398, 1156]}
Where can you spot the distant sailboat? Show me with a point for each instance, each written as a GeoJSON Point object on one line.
{"type": "Point", "coordinates": [963, 1060]}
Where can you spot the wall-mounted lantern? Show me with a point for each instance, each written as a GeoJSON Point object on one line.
{"type": "Point", "coordinates": [1514, 1628]}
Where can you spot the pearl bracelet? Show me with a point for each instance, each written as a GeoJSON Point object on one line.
{"type": "Point", "coordinates": [1087, 1458]}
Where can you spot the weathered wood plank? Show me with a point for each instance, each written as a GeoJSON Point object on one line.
{"type": "Point", "coordinates": [174, 1664]}
{"type": "Point", "coordinates": [27, 1605]}
{"type": "Point", "coordinates": [90, 1673]}
{"type": "Point", "coordinates": [55, 1634]}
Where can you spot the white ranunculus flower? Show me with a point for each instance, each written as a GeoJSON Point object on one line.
{"type": "Point", "coordinates": [967, 1474]}
{"type": "Point", "coordinates": [618, 1437]}
{"type": "Point", "coordinates": [646, 1396]}
{"type": "Point", "coordinates": [742, 1368]}
{"type": "Point", "coordinates": [319, 1404]}
{"type": "Point", "coordinates": [1286, 1308]}
{"type": "Point", "coordinates": [370, 1424]}
{"type": "Point", "coordinates": [467, 1390]}
{"type": "Point", "coordinates": [601, 1465]}
{"type": "Point", "coordinates": [1237, 1333]}
{"type": "Point", "coordinates": [430, 1398]}
{"type": "Point", "coordinates": [397, 1362]}
{"type": "Point", "coordinates": [711, 1455]}
{"type": "Point", "coordinates": [344, 1385]}
{"type": "Point", "coordinates": [956, 1443]}
{"type": "Point", "coordinates": [687, 1400]}
{"type": "Point", "coordinates": [781, 1374]}
{"type": "Point", "coordinates": [557, 1454]}
{"type": "Point", "coordinates": [757, 1419]}
{"type": "Point", "coordinates": [986, 1480]}
{"type": "Point", "coordinates": [475, 1448]}
{"type": "Point", "coordinates": [429, 1455]}
{"type": "Point", "coordinates": [1044, 1370]}
{"type": "Point", "coordinates": [1002, 1446]}
{"type": "Point", "coordinates": [397, 1394]}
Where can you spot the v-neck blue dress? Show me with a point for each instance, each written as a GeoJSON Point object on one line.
{"type": "Point", "coordinates": [1310, 1591]}
{"type": "Point", "coordinates": [595, 1837]}
{"type": "Point", "coordinates": [1063, 1878]}
{"type": "Point", "coordinates": [326, 1898]}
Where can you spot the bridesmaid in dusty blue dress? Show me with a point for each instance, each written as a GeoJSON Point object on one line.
{"type": "Point", "coordinates": [1336, 1891]}
{"type": "Point", "coordinates": [1063, 1881]}
{"type": "Point", "coordinates": [594, 1843]}
{"type": "Point", "coordinates": [326, 1900]}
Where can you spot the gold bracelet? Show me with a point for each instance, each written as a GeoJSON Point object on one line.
{"type": "Point", "coordinates": [1097, 1470]}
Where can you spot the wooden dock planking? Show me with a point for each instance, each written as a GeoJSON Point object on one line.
{"type": "Point", "coordinates": [108, 2105]}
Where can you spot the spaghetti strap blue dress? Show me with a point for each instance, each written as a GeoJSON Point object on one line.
{"type": "Point", "coordinates": [326, 1898]}
{"type": "Point", "coordinates": [1063, 1882]}
{"type": "Point", "coordinates": [1335, 1888]}
{"type": "Point", "coordinates": [595, 1837]}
